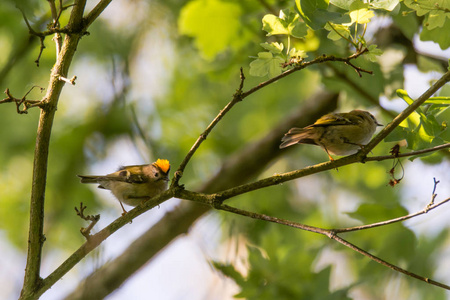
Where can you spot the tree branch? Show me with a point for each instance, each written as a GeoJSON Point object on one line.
{"type": "Point", "coordinates": [22, 101]}
{"type": "Point", "coordinates": [96, 11]}
{"type": "Point", "coordinates": [301, 66]}
{"type": "Point", "coordinates": [331, 233]}
{"type": "Point", "coordinates": [218, 198]}
{"type": "Point", "coordinates": [404, 114]}
{"type": "Point", "coordinates": [240, 95]}
{"type": "Point", "coordinates": [95, 240]}
{"type": "Point", "coordinates": [236, 98]}
{"type": "Point", "coordinates": [240, 167]}
{"type": "Point", "coordinates": [32, 280]}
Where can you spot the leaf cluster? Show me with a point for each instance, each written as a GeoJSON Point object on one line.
{"type": "Point", "coordinates": [426, 127]}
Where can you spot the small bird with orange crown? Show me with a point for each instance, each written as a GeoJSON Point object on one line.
{"type": "Point", "coordinates": [133, 185]}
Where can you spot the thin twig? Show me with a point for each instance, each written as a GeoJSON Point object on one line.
{"type": "Point", "coordinates": [412, 153]}
{"type": "Point", "coordinates": [302, 65]}
{"type": "Point", "coordinates": [96, 11]}
{"type": "Point", "coordinates": [237, 97]}
{"type": "Point", "coordinates": [284, 177]}
{"type": "Point", "coordinates": [23, 101]}
{"type": "Point", "coordinates": [434, 195]}
{"type": "Point", "coordinates": [405, 113]}
{"type": "Point", "coordinates": [332, 234]}
{"type": "Point", "coordinates": [387, 264]}
{"type": "Point", "coordinates": [70, 81]}
{"type": "Point", "coordinates": [240, 95]}
{"type": "Point", "coordinates": [396, 220]}
{"type": "Point", "coordinates": [363, 91]}
{"type": "Point", "coordinates": [86, 232]}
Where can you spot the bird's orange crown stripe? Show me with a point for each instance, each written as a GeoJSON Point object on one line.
{"type": "Point", "coordinates": [163, 164]}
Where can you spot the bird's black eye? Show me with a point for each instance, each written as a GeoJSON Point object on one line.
{"type": "Point", "coordinates": [123, 173]}
{"type": "Point", "coordinates": [156, 174]}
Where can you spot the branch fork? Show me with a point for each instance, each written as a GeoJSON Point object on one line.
{"type": "Point", "coordinates": [86, 232]}
{"type": "Point", "coordinates": [23, 101]}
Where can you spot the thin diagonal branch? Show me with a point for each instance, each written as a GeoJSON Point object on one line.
{"type": "Point", "coordinates": [392, 221]}
{"type": "Point", "coordinates": [405, 113]}
{"type": "Point", "coordinates": [240, 95]}
{"type": "Point", "coordinates": [332, 234]}
{"type": "Point", "coordinates": [301, 66]}
{"type": "Point", "coordinates": [95, 240]}
{"type": "Point", "coordinates": [387, 264]}
{"type": "Point", "coordinates": [237, 97]}
{"type": "Point", "coordinates": [412, 153]}
{"type": "Point", "coordinates": [239, 167]}
{"type": "Point", "coordinates": [96, 11]}
{"type": "Point", "coordinates": [284, 177]}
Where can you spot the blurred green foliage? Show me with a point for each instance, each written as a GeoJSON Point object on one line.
{"type": "Point", "coordinates": [207, 42]}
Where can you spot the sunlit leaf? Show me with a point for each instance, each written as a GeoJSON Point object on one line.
{"type": "Point", "coordinates": [275, 47]}
{"type": "Point", "coordinates": [266, 64]}
{"type": "Point", "coordinates": [316, 15]}
{"type": "Point", "coordinates": [337, 31]}
{"type": "Point", "coordinates": [388, 5]}
{"type": "Point", "coordinates": [287, 23]}
{"type": "Point", "coordinates": [374, 52]}
{"type": "Point", "coordinates": [359, 13]}
{"type": "Point", "coordinates": [212, 23]}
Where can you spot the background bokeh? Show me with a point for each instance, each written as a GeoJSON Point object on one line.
{"type": "Point", "coordinates": [151, 76]}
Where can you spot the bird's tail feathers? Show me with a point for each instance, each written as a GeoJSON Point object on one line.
{"type": "Point", "coordinates": [89, 178]}
{"type": "Point", "coordinates": [296, 136]}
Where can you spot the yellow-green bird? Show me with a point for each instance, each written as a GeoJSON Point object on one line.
{"type": "Point", "coordinates": [337, 133]}
{"type": "Point", "coordinates": [134, 184]}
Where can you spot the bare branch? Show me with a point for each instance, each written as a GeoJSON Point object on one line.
{"type": "Point", "coordinates": [412, 153]}
{"type": "Point", "coordinates": [70, 81]}
{"type": "Point", "coordinates": [405, 113]}
{"type": "Point", "coordinates": [32, 280]}
{"type": "Point", "coordinates": [86, 232]}
{"type": "Point", "coordinates": [23, 101]}
{"type": "Point", "coordinates": [332, 234]}
{"type": "Point", "coordinates": [240, 167]}
{"type": "Point", "coordinates": [301, 66]}
{"type": "Point", "coordinates": [387, 264]}
{"type": "Point", "coordinates": [284, 177]}
{"type": "Point", "coordinates": [95, 240]}
{"type": "Point", "coordinates": [237, 97]}
{"type": "Point", "coordinates": [96, 11]}
{"type": "Point", "coordinates": [396, 220]}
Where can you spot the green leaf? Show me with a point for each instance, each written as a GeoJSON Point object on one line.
{"type": "Point", "coordinates": [359, 13]}
{"type": "Point", "coordinates": [438, 100]}
{"type": "Point", "coordinates": [388, 5]}
{"type": "Point", "coordinates": [407, 22]}
{"type": "Point", "coordinates": [275, 48]}
{"type": "Point", "coordinates": [214, 24]}
{"type": "Point", "coordinates": [297, 53]}
{"type": "Point", "coordinates": [374, 212]}
{"type": "Point", "coordinates": [373, 53]}
{"type": "Point", "coordinates": [435, 12]}
{"type": "Point", "coordinates": [316, 15]}
{"type": "Point", "coordinates": [437, 35]}
{"type": "Point", "coordinates": [287, 23]}
{"type": "Point", "coordinates": [404, 95]}
{"type": "Point", "coordinates": [266, 64]}
{"type": "Point", "coordinates": [337, 31]}
{"type": "Point", "coordinates": [421, 130]}
{"type": "Point", "coordinates": [230, 271]}
{"type": "Point", "coordinates": [344, 4]}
